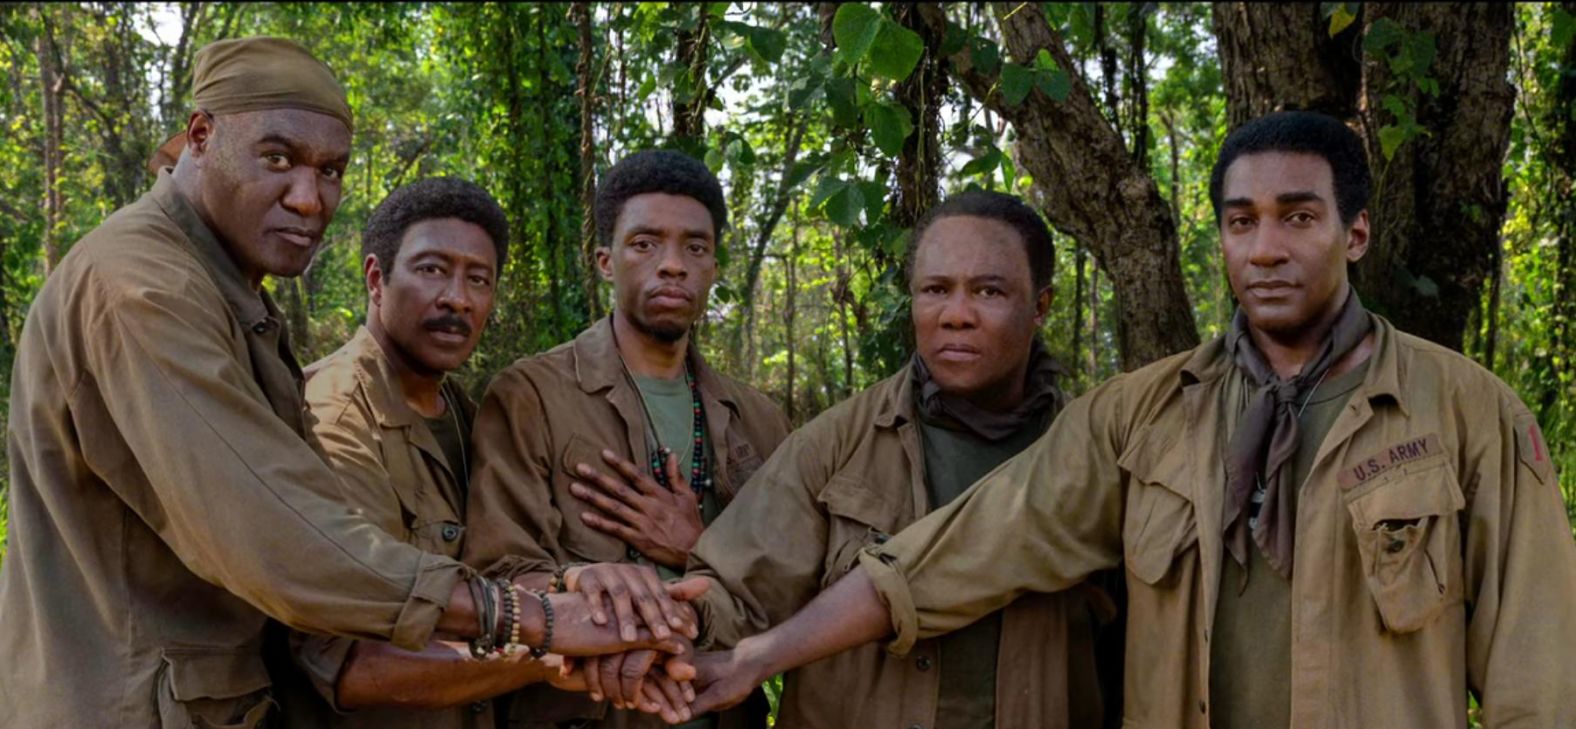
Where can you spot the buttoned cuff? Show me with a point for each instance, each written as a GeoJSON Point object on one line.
{"type": "Point", "coordinates": [892, 586]}
{"type": "Point", "coordinates": [436, 577]}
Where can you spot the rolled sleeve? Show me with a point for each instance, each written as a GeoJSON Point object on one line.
{"type": "Point", "coordinates": [890, 584]}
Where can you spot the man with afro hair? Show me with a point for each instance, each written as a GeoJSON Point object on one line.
{"type": "Point", "coordinates": [620, 446]}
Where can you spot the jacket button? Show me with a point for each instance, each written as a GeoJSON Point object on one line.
{"type": "Point", "coordinates": [632, 554]}
{"type": "Point", "coordinates": [450, 532]}
{"type": "Point", "coordinates": [260, 327]}
{"type": "Point", "coordinates": [478, 707]}
{"type": "Point", "coordinates": [1394, 546]}
{"type": "Point", "coordinates": [915, 726]}
{"type": "Point", "coordinates": [922, 663]}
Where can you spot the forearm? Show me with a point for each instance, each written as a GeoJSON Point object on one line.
{"type": "Point", "coordinates": [441, 675]}
{"type": "Point", "coordinates": [848, 614]}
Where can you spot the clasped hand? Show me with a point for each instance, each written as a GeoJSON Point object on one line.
{"type": "Point", "coordinates": [627, 637]}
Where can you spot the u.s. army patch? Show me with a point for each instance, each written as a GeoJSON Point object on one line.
{"type": "Point", "coordinates": [1411, 450]}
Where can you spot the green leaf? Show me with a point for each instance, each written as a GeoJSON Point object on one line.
{"type": "Point", "coordinates": [985, 55]}
{"type": "Point", "coordinates": [825, 189]}
{"type": "Point", "coordinates": [1050, 78]}
{"type": "Point", "coordinates": [854, 29]}
{"type": "Point", "coordinates": [1395, 105]}
{"type": "Point", "coordinates": [844, 207]}
{"type": "Point", "coordinates": [1341, 17]}
{"type": "Point", "coordinates": [1390, 138]}
{"type": "Point", "coordinates": [1382, 34]}
{"type": "Point", "coordinates": [983, 164]}
{"type": "Point", "coordinates": [953, 40]}
{"type": "Point", "coordinates": [841, 96]}
{"type": "Point", "coordinates": [714, 160]}
{"type": "Point", "coordinates": [889, 124]}
{"type": "Point", "coordinates": [1016, 82]}
{"type": "Point", "coordinates": [874, 194]}
{"type": "Point", "coordinates": [800, 172]}
{"type": "Point", "coordinates": [766, 44]}
{"type": "Point", "coordinates": [1564, 29]}
{"type": "Point", "coordinates": [896, 51]}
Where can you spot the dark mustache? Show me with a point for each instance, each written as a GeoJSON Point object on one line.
{"type": "Point", "coordinates": [448, 323]}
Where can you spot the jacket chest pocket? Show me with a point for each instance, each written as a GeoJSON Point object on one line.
{"type": "Point", "coordinates": [1409, 540]}
{"type": "Point", "coordinates": [1159, 525]}
{"type": "Point", "coordinates": [857, 516]}
{"type": "Point", "coordinates": [212, 689]}
{"type": "Point", "coordinates": [580, 542]}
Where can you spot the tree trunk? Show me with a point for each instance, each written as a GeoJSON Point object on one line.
{"type": "Point", "coordinates": [1115, 210]}
{"type": "Point", "coordinates": [689, 106]}
{"type": "Point", "coordinates": [790, 316]}
{"type": "Point", "coordinates": [588, 242]}
{"type": "Point", "coordinates": [1439, 202]}
{"type": "Point", "coordinates": [1278, 56]}
{"type": "Point", "coordinates": [51, 87]}
{"type": "Point", "coordinates": [921, 94]}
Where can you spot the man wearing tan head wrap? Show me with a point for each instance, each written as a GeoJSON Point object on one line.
{"type": "Point", "coordinates": [165, 499]}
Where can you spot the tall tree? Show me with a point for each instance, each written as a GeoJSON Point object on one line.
{"type": "Point", "coordinates": [51, 82]}
{"type": "Point", "coordinates": [1434, 106]}
{"type": "Point", "coordinates": [1114, 208]}
{"type": "Point", "coordinates": [921, 95]}
{"type": "Point", "coordinates": [587, 91]}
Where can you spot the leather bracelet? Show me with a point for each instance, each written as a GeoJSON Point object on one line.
{"type": "Point", "coordinates": [482, 644]}
{"type": "Point", "coordinates": [547, 629]}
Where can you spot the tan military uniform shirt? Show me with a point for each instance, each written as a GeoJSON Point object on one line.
{"type": "Point", "coordinates": [544, 414]}
{"type": "Point", "coordinates": [1433, 553]}
{"type": "Point", "coordinates": [392, 471]}
{"type": "Point", "coordinates": [844, 482]}
{"type": "Point", "coordinates": [164, 500]}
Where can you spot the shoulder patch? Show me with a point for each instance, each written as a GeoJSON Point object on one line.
{"type": "Point", "coordinates": [1532, 449]}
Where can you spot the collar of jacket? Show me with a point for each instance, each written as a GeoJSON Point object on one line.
{"type": "Point", "coordinates": [1386, 368]}
{"type": "Point", "coordinates": [252, 307]}
{"type": "Point", "coordinates": [375, 375]}
{"type": "Point", "coordinates": [598, 367]}
{"type": "Point", "coordinates": [897, 404]}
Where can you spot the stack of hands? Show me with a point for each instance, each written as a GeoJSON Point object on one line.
{"type": "Point", "coordinates": [627, 637]}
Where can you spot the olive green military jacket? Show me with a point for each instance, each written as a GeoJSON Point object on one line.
{"type": "Point", "coordinates": [1433, 552]}
{"type": "Point", "coordinates": [393, 472]}
{"type": "Point", "coordinates": [843, 482]}
{"type": "Point", "coordinates": [164, 499]}
{"type": "Point", "coordinates": [543, 415]}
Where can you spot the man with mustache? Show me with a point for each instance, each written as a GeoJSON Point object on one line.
{"type": "Point", "coordinates": [166, 499]}
{"type": "Point", "coordinates": [981, 387]}
{"type": "Point", "coordinates": [396, 429]}
{"type": "Point", "coordinates": [1325, 522]}
{"type": "Point", "coordinates": [546, 493]}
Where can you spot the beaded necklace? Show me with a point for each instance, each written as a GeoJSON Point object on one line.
{"type": "Point", "coordinates": [700, 473]}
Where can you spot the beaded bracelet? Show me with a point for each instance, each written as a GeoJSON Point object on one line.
{"type": "Point", "coordinates": [507, 624]}
{"type": "Point", "coordinates": [513, 646]}
{"type": "Point", "coordinates": [547, 630]}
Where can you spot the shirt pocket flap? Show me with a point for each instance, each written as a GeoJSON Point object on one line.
{"type": "Point", "coordinates": [581, 450]}
{"type": "Point", "coordinates": [213, 674]}
{"type": "Point", "coordinates": [1159, 523]}
{"type": "Point", "coordinates": [1408, 496]}
{"type": "Point", "coordinates": [846, 497]}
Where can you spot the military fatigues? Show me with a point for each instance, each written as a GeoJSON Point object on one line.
{"type": "Point", "coordinates": [543, 415]}
{"type": "Point", "coordinates": [393, 471]}
{"type": "Point", "coordinates": [1433, 553]}
{"type": "Point", "coordinates": [845, 481]}
{"type": "Point", "coordinates": [164, 500]}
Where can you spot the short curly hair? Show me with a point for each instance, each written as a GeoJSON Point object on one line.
{"type": "Point", "coordinates": [1301, 132]}
{"type": "Point", "coordinates": [1008, 210]}
{"type": "Point", "coordinates": [663, 171]}
{"type": "Point", "coordinates": [431, 199]}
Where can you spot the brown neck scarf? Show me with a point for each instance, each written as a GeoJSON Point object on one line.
{"type": "Point", "coordinates": [1259, 455]}
{"type": "Point", "coordinates": [1039, 392]}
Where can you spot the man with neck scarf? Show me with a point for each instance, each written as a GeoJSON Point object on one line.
{"type": "Point", "coordinates": [980, 388]}
{"type": "Point", "coordinates": [1324, 522]}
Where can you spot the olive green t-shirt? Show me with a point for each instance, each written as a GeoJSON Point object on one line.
{"type": "Point", "coordinates": [1250, 657]}
{"type": "Point", "coordinates": [954, 460]}
{"type": "Point", "coordinates": [452, 430]}
{"type": "Point", "coordinates": [671, 406]}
